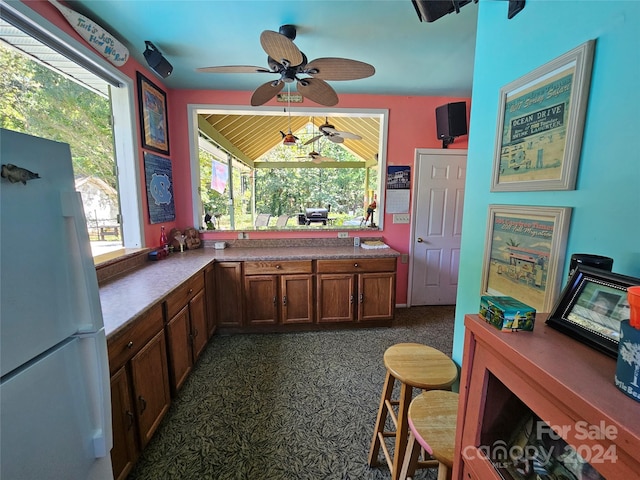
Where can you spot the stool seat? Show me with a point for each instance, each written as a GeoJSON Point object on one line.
{"type": "Point", "coordinates": [432, 421]}
{"type": "Point", "coordinates": [415, 366]}
{"type": "Point", "coordinates": [420, 366]}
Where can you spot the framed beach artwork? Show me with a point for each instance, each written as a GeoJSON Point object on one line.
{"type": "Point", "coordinates": [524, 253]}
{"type": "Point", "coordinates": [153, 116]}
{"type": "Point", "coordinates": [540, 123]}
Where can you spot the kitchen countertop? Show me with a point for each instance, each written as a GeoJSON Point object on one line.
{"type": "Point", "coordinates": [126, 298]}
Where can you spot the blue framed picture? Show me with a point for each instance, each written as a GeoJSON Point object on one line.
{"type": "Point", "coordinates": [159, 182]}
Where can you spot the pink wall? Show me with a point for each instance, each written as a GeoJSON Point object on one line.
{"type": "Point", "coordinates": [412, 125]}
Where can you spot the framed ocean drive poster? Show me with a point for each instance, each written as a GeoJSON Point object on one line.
{"type": "Point", "coordinates": [540, 123]}
{"type": "Point", "coordinates": [524, 253]}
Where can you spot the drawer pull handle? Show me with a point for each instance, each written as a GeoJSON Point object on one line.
{"type": "Point", "coordinates": [355, 265]}
{"type": "Point", "coordinates": [130, 415]}
{"type": "Point", "coordinates": [284, 300]}
{"type": "Point", "coordinates": [130, 345]}
{"type": "Point", "coordinates": [361, 297]}
{"type": "Point", "coordinates": [143, 404]}
{"type": "Point", "coordinates": [191, 290]}
{"type": "Point", "coordinates": [275, 300]}
{"type": "Point", "coordinates": [278, 267]}
{"type": "Point", "coordinates": [351, 299]}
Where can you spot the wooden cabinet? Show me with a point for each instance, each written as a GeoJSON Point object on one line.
{"type": "Point", "coordinates": [563, 382]}
{"type": "Point", "coordinates": [355, 290]}
{"type": "Point", "coordinates": [140, 391]}
{"type": "Point", "coordinates": [125, 448]}
{"type": "Point", "coordinates": [278, 292]}
{"type": "Point", "coordinates": [228, 280]}
{"type": "Point", "coordinates": [187, 328]}
{"type": "Point", "coordinates": [210, 298]}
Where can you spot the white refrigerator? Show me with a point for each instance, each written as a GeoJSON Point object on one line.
{"type": "Point", "coordinates": [55, 400]}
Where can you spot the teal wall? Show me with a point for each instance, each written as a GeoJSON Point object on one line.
{"type": "Point", "coordinates": [606, 201]}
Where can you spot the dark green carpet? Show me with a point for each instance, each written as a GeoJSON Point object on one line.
{"type": "Point", "coordinates": [286, 406]}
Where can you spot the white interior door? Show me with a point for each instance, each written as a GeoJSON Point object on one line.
{"type": "Point", "coordinates": [439, 182]}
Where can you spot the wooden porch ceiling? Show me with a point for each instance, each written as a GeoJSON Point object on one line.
{"type": "Point", "coordinates": [249, 137]}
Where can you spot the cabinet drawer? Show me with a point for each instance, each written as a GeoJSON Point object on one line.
{"type": "Point", "coordinates": [128, 342]}
{"type": "Point", "coordinates": [177, 299]}
{"type": "Point", "coordinates": [357, 265]}
{"type": "Point", "coordinates": [277, 267]}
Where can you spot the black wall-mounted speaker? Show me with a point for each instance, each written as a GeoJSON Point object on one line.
{"type": "Point", "coordinates": [156, 61]}
{"type": "Point", "coordinates": [451, 120]}
{"type": "Point", "coordinates": [431, 10]}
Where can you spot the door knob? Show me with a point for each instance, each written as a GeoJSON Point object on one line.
{"type": "Point", "coordinates": [420, 240]}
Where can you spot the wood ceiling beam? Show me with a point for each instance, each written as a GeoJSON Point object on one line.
{"type": "Point", "coordinates": [309, 165]}
{"type": "Point", "coordinates": [206, 128]}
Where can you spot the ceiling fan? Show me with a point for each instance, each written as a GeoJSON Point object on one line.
{"type": "Point", "coordinates": [327, 130]}
{"type": "Point", "coordinates": [315, 157]}
{"type": "Point", "coordinates": [285, 59]}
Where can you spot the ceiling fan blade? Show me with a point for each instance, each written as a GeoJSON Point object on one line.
{"type": "Point", "coordinates": [280, 48]}
{"type": "Point", "coordinates": [318, 91]}
{"type": "Point", "coordinates": [312, 140]}
{"type": "Point", "coordinates": [339, 69]}
{"type": "Point", "coordinates": [349, 135]}
{"type": "Point", "coordinates": [265, 92]}
{"type": "Point", "coordinates": [234, 69]}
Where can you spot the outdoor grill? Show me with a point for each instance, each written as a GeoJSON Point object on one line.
{"type": "Point", "coordinates": [317, 215]}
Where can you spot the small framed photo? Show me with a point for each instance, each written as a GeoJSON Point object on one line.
{"type": "Point", "coordinates": [524, 251]}
{"type": "Point", "coordinates": [540, 122]}
{"type": "Point", "coordinates": [591, 307]}
{"type": "Point", "coordinates": [153, 116]}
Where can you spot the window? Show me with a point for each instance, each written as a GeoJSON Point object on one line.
{"type": "Point", "coordinates": [54, 88]}
{"type": "Point", "coordinates": [241, 163]}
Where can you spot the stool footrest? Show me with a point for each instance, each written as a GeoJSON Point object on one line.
{"type": "Point", "coordinates": [428, 464]}
{"type": "Point", "coordinates": [387, 434]}
{"type": "Point", "coordinates": [385, 450]}
{"type": "Point", "coordinates": [391, 412]}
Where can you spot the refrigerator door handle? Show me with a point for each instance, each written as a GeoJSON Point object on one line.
{"type": "Point", "coordinates": [94, 351]}
{"type": "Point", "coordinates": [85, 282]}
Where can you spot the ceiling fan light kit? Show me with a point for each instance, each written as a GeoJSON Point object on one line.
{"type": "Point", "coordinates": [286, 60]}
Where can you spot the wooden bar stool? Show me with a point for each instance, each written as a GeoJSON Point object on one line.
{"type": "Point", "coordinates": [414, 366]}
{"type": "Point", "coordinates": [432, 425]}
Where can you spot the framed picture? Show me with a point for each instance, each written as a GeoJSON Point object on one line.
{"type": "Point", "coordinates": [591, 307]}
{"type": "Point", "coordinates": [159, 180]}
{"type": "Point", "coordinates": [524, 251]}
{"type": "Point", "coordinates": [153, 116]}
{"type": "Point", "coordinates": [540, 123]}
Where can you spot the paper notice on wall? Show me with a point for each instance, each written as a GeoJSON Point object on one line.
{"type": "Point", "coordinates": [398, 188]}
{"type": "Point", "coordinates": [397, 201]}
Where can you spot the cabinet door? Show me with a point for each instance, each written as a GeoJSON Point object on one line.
{"type": "Point", "coordinates": [179, 346]}
{"type": "Point", "coordinates": [296, 292]}
{"type": "Point", "coordinates": [376, 296]}
{"type": "Point", "coordinates": [124, 452]}
{"type": "Point", "coordinates": [198, 317]}
{"type": "Point", "coordinates": [229, 294]}
{"type": "Point", "coordinates": [150, 386]}
{"type": "Point", "coordinates": [210, 296]}
{"type": "Point", "coordinates": [261, 299]}
{"type": "Point", "coordinates": [336, 298]}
